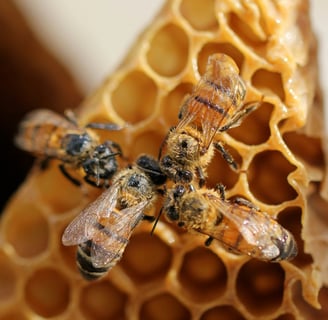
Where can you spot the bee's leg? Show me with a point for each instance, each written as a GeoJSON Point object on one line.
{"type": "Point", "coordinates": [44, 163]}
{"type": "Point", "coordinates": [221, 189]}
{"type": "Point", "coordinates": [68, 176]}
{"type": "Point", "coordinates": [156, 221]}
{"type": "Point", "coordinates": [226, 155]}
{"type": "Point", "coordinates": [93, 183]}
{"type": "Point", "coordinates": [244, 202]}
{"type": "Point", "coordinates": [201, 176]}
{"type": "Point", "coordinates": [104, 126]}
{"type": "Point", "coordinates": [209, 241]}
{"type": "Point", "coordinates": [117, 147]}
{"type": "Point", "coordinates": [235, 121]}
{"type": "Point", "coordinates": [164, 143]}
{"type": "Point", "coordinates": [148, 218]}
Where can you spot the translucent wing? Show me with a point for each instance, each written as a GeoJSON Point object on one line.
{"type": "Point", "coordinates": [255, 227]}
{"type": "Point", "coordinates": [216, 99]}
{"type": "Point", "coordinates": [84, 226]}
{"type": "Point", "coordinates": [109, 244]}
{"type": "Point", "coordinates": [42, 128]}
{"type": "Point", "coordinates": [44, 116]}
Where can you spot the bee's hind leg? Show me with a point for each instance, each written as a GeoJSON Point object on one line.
{"type": "Point", "coordinates": [221, 189]}
{"type": "Point", "coordinates": [226, 155]}
{"type": "Point", "coordinates": [68, 176]}
{"type": "Point", "coordinates": [44, 163]}
{"type": "Point", "coordinates": [208, 241]}
{"type": "Point", "coordinates": [244, 202]}
{"type": "Point", "coordinates": [148, 218]}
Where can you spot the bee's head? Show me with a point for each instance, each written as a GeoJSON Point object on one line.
{"type": "Point", "coordinates": [77, 144]}
{"type": "Point", "coordinates": [101, 164]}
{"type": "Point", "coordinates": [152, 169]}
{"type": "Point", "coordinates": [175, 171]}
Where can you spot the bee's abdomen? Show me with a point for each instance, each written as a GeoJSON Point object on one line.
{"type": "Point", "coordinates": [84, 263]}
{"type": "Point", "coordinates": [41, 139]}
{"type": "Point", "coordinates": [287, 247]}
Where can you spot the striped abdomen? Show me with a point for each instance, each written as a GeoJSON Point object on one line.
{"type": "Point", "coordinates": [84, 263]}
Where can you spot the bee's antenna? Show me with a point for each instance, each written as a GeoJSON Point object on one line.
{"type": "Point", "coordinates": [156, 221]}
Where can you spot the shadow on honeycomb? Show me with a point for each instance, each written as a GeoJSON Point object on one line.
{"type": "Point", "coordinates": [171, 275]}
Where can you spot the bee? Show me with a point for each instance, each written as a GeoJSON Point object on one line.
{"type": "Point", "coordinates": [103, 229]}
{"type": "Point", "coordinates": [238, 225]}
{"type": "Point", "coordinates": [49, 135]}
{"type": "Point", "coordinates": [215, 105]}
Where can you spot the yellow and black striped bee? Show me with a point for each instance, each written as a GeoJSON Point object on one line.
{"type": "Point", "coordinates": [49, 135]}
{"type": "Point", "coordinates": [215, 105]}
{"type": "Point", "coordinates": [103, 229]}
{"type": "Point", "coordinates": [238, 225]}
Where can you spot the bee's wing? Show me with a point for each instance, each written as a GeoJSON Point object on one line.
{"type": "Point", "coordinates": [108, 247]}
{"type": "Point", "coordinates": [45, 116]}
{"type": "Point", "coordinates": [211, 105]}
{"type": "Point", "coordinates": [253, 225]}
{"type": "Point", "coordinates": [84, 226]}
{"type": "Point", "coordinates": [40, 122]}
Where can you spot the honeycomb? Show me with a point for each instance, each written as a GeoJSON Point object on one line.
{"type": "Point", "coordinates": [171, 275]}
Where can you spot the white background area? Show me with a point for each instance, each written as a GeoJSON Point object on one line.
{"type": "Point", "coordinates": [92, 37]}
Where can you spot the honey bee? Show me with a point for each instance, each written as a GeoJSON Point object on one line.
{"type": "Point", "coordinates": [103, 229]}
{"type": "Point", "coordinates": [238, 225]}
{"type": "Point", "coordinates": [215, 105]}
{"type": "Point", "coordinates": [49, 135]}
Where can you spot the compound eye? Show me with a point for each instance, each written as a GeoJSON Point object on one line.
{"type": "Point", "coordinates": [76, 144]}
{"type": "Point", "coordinates": [167, 161]}
{"type": "Point", "coordinates": [172, 214]}
{"type": "Point", "coordinates": [101, 148]}
{"type": "Point", "coordinates": [134, 182]}
{"type": "Point", "coordinates": [179, 191]}
{"type": "Point", "coordinates": [185, 176]}
{"type": "Point", "coordinates": [184, 144]}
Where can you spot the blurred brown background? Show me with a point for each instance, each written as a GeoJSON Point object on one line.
{"type": "Point", "coordinates": [30, 78]}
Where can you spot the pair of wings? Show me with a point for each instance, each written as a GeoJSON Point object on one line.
{"type": "Point", "coordinates": [226, 111]}
{"type": "Point", "coordinates": [42, 122]}
{"type": "Point", "coordinates": [105, 248]}
{"type": "Point", "coordinates": [256, 227]}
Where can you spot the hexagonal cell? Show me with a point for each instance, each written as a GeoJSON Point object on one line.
{"type": "Point", "coordinates": [168, 50]}
{"type": "Point", "coordinates": [269, 82]}
{"type": "Point", "coordinates": [134, 97]}
{"type": "Point", "coordinates": [144, 247]}
{"type": "Point", "coordinates": [260, 281]}
{"type": "Point", "coordinates": [219, 170]}
{"type": "Point", "coordinates": [27, 230]}
{"type": "Point", "coordinates": [8, 278]}
{"type": "Point", "coordinates": [162, 307]}
{"type": "Point", "coordinates": [222, 313]}
{"type": "Point", "coordinates": [267, 177]}
{"type": "Point", "coordinates": [148, 142]}
{"type": "Point", "coordinates": [244, 31]}
{"type": "Point", "coordinates": [47, 292]}
{"type": "Point", "coordinates": [200, 14]}
{"type": "Point", "coordinates": [102, 300]}
{"type": "Point", "coordinates": [305, 147]}
{"type": "Point", "coordinates": [307, 311]}
{"type": "Point", "coordinates": [255, 128]}
{"type": "Point", "coordinates": [203, 275]}
{"type": "Point", "coordinates": [57, 191]}
{"type": "Point", "coordinates": [171, 104]}
{"type": "Point", "coordinates": [291, 219]}
{"type": "Point", "coordinates": [214, 47]}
